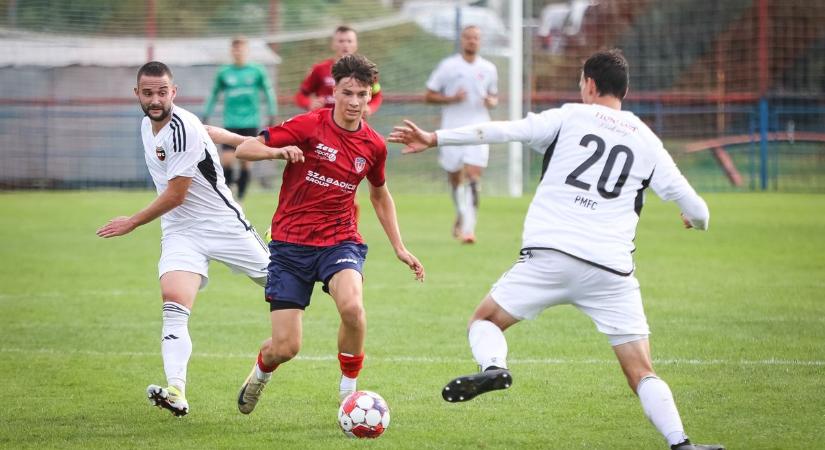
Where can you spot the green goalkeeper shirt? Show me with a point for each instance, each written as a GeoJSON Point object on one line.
{"type": "Point", "coordinates": [241, 86]}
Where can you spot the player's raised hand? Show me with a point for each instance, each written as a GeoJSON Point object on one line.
{"type": "Point", "coordinates": [412, 262]}
{"type": "Point", "coordinates": [292, 154]}
{"type": "Point", "coordinates": [415, 139]}
{"type": "Point", "coordinates": [117, 227]}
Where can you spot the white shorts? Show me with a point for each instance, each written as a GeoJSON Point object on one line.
{"type": "Point", "coordinates": [453, 158]}
{"type": "Point", "coordinates": [190, 251]}
{"type": "Point", "coordinates": [544, 278]}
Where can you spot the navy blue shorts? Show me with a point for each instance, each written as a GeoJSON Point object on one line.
{"type": "Point", "coordinates": [293, 270]}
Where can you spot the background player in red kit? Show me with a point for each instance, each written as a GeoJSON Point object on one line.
{"type": "Point", "coordinates": [314, 232]}
{"type": "Point", "coordinates": [316, 89]}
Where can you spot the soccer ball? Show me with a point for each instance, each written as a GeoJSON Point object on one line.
{"type": "Point", "coordinates": [364, 414]}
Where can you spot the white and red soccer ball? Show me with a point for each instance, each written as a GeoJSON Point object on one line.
{"type": "Point", "coordinates": [364, 414]}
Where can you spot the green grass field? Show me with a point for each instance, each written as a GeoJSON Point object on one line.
{"type": "Point", "coordinates": [738, 320]}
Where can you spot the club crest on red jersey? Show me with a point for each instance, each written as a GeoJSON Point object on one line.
{"type": "Point", "coordinates": [160, 152]}
{"type": "Point", "coordinates": [360, 163]}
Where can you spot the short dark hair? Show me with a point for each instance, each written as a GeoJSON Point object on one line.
{"type": "Point", "coordinates": [344, 29]}
{"type": "Point", "coordinates": [355, 66]}
{"type": "Point", "coordinates": [609, 70]}
{"type": "Point", "coordinates": [239, 40]}
{"type": "Point", "coordinates": [154, 69]}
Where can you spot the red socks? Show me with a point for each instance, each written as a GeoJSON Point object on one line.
{"type": "Point", "coordinates": [264, 368]}
{"type": "Point", "coordinates": [350, 364]}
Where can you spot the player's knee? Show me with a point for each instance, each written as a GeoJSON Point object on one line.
{"type": "Point", "coordinates": [490, 311]}
{"type": "Point", "coordinates": [283, 350]}
{"type": "Point", "coordinates": [175, 296]}
{"type": "Point", "coordinates": [475, 318]}
{"type": "Point", "coordinates": [352, 313]}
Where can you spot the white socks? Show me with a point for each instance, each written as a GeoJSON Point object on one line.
{"type": "Point", "coordinates": [458, 195]}
{"type": "Point", "coordinates": [261, 375]}
{"type": "Point", "coordinates": [660, 409]}
{"type": "Point", "coordinates": [347, 383]}
{"type": "Point", "coordinates": [468, 223]}
{"type": "Point", "coordinates": [465, 206]}
{"type": "Point", "coordinates": [488, 344]}
{"type": "Point", "coordinates": [490, 349]}
{"type": "Point", "coordinates": [176, 345]}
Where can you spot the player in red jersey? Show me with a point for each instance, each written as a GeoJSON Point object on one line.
{"type": "Point", "coordinates": [316, 89]}
{"type": "Point", "coordinates": [315, 235]}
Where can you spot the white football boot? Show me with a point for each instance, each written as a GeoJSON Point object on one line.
{"type": "Point", "coordinates": [168, 398]}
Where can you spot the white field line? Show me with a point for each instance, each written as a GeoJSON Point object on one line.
{"type": "Point", "coordinates": [431, 360]}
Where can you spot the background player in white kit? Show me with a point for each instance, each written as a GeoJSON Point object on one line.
{"type": "Point", "coordinates": [200, 221]}
{"type": "Point", "coordinates": [578, 233]}
{"type": "Point", "coordinates": [467, 85]}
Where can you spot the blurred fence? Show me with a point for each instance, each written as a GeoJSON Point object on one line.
{"type": "Point", "coordinates": [736, 89]}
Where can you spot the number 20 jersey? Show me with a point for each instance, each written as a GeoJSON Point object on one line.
{"type": "Point", "coordinates": [597, 163]}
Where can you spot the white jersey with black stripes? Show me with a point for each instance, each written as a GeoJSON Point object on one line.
{"type": "Point", "coordinates": [597, 163]}
{"type": "Point", "coordinates": [182, 148]}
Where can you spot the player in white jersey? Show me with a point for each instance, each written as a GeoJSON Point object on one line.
{"type": "Point", "coordinates": [467, 86]}
{"type": "Point", "coordinates": [200, 221]}
{"type": "Point", "coordinates": [578, 233]}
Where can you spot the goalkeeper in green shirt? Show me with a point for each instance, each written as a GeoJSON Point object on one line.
{"type": "Point", "coordinates": [241, 83]}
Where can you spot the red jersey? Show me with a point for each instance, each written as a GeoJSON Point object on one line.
{"type": "Point", "coordinates": [315, 206]}
{"type": "Point", "coordinates": [319, 82]}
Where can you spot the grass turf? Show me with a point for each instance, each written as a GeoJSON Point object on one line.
{"type": "Point", "coordinates": [736, 313]}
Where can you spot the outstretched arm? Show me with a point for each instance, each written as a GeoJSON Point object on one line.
{"type": "Point", "coordinates": [538, 130]}
{"type": "Point", "coordinates": [415, 139]}
{"type": "Point", "coordinates": [256, 150]}
{"type": "Point", "coordinates": [170, 199]}
{"type": "Point", "coordinates": [223, 136]}
{"type": "Point", "coordinates": [385, 210]}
